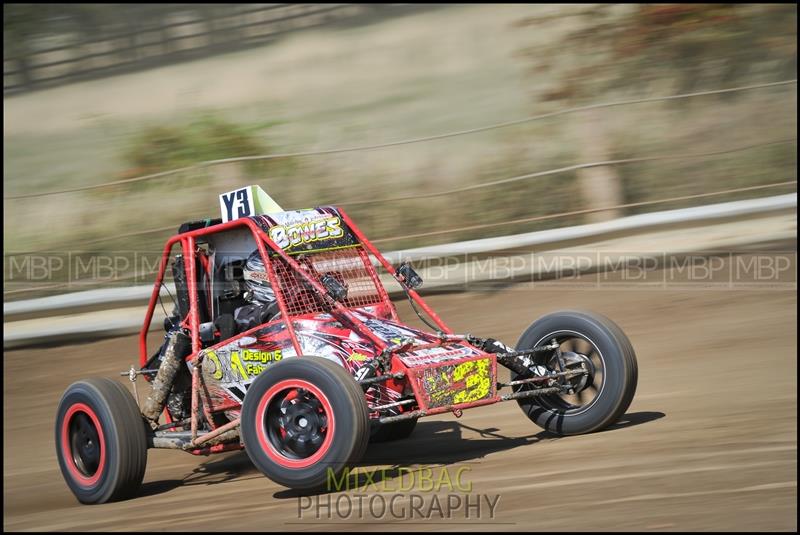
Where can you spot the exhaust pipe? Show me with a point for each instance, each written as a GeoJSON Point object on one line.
{"type": "Point", "coordinates": [178, 346]}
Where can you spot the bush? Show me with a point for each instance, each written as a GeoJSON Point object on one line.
{"type": "Point", "coordinates": [207, 137]}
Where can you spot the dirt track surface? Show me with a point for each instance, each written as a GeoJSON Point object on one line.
{"type": "Point", "coordinates": [709, 442]}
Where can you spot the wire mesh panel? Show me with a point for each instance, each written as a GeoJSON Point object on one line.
{"type": "Point", "coordinates": [349, 266]}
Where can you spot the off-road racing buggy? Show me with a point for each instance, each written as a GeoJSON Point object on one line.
{"type": "Point", "coordinates": [304, 392]}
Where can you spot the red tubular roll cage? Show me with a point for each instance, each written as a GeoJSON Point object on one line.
{"type": "Point", "coordinates": [263, 242]}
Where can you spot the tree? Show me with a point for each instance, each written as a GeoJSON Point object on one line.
{"type": "Point", "coordinates": [634, 50]}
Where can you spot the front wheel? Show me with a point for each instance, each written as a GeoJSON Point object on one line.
{"type": "Point", "coordinates": [304, 421]}
{"type": "Point", "coordinates": [590, 343]}
{"type": "Point", "coordinates": [101, 441]}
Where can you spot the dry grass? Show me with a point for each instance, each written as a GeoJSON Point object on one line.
{"type": "Point", "coordinates": [409, 76]}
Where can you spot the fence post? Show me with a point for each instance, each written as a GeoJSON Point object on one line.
{"type": "Point", "coordinates": [599, 186]}
{"type": "Point", "coordinates": [24, 70]}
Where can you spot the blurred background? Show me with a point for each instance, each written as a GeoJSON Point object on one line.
{"type": "Point", "coordinates": [101, 99]}
{"type": "Point", "coordinates": [430, 124]}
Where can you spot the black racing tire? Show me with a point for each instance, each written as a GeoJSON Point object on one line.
{"type": "Point", "coordinates": [101, 441]}
{"type": "Point", "coordinates": [612, 350]}
{"type": "Point", "coordinates": [304, 420]}
{"type": "Point", "coordinates": [392, 431]}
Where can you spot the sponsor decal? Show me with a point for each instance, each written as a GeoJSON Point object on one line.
{"type": "Point", "coordinates": [260, 356]}
{"type": "Point", "coordinates": [388, 332]}
{"type": "Point", "coordinates": [239, 366]}
{"type": "Point", "coordinates": [356, 357]}
{"type": "Point", "coordinates": [308, 231]}
{"type": "Point", "coordinates": [461, 383]}
{"type": "Point", "coordinates": [255, 361]}
{"type": "Point", "coordinates": [436, 354]}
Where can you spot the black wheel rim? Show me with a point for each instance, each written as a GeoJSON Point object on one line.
{"type": "Point", "coordinates": [84, 444]}
{"type": "Point", "coordinates": [296, 423]}
{"type": "Point", "coordinates": [580, 353]}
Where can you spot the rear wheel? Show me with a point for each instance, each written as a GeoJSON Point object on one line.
{"type": "Point", "coordinates": [304, 421]}
{"type": "Point", "coordinates": [587, 342]}
{"type": "Point", "coordinates": [101, 441]}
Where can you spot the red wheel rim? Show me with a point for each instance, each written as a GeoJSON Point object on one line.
{"type": "Point", "coordinates": [84, 452]}
{"type": "Point", "coordinates": [289, 411]}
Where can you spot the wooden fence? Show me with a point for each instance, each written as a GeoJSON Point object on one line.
{"type": "Point", "coordinates": [180, 36]}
